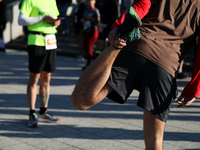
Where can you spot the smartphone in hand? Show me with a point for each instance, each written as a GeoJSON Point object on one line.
{"type": "Point", "coordinates": [61, 18]}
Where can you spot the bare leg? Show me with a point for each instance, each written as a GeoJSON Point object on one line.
{"type": "Point", "coordinates": [44, 88]}
{"type": "Point", "coordinates": [91, 88]}
{"type": "Point", "coordinates": [153, 131]}
{"type": "Point", "coordinates": [180, 68]}
{"type": "Point", "coordinates": [32, 89]}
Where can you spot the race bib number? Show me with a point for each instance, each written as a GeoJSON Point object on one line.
{"type": "Point", "coordinates": [50, 41]}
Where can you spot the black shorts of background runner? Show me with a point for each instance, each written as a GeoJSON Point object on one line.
{"type": "Point", "coordinates": [41, 59]}
{"type": "Point", "coordinates": [156, 86]}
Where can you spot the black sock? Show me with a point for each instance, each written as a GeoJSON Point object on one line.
{"type": "Point", "coordinates": [32, 111]}
{"type": "Point", "coordinates": [42, 110]}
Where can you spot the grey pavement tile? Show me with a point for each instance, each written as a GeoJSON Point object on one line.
{"type": "Point", "coordinates": [132, 138]}
{"type": "Point", "coordinates": [54, 133]}
{"type": "Point", "coordinates": [71, 121]}
{"type": "Point", "coordinates": [28, 137]}
{"type": "Point", "coordinates": [116, 123]}
{"type": "Point", "coordinates": [123, 145]}
{"type": "Point", "coordinates": [191, 145]}
{"type": "Point", "coordinates": [62, 147]}
{"type": "Point", "coordinates": [168, 146]}
{"type": "Point", "coordinates": [71, 139]}
{"type": "Point", "coordinates": [7, 142]}
{"type": "Point", "coordinates": [128, 143]}
{"type": "Point", "coordinates": [92, 145]}
{"type": "Point", "coordinates": [172, 128]}
{"type": "Point", "coordinates": [103, 132]}
{"type": "Point", "coordinates": [50, 143]}
{"type": "Point", "coordinates": [191, 126]}
{"type": "Point", "coordinates": [110, 147]}
{"type": "Point", "coordinates": [75, 142]}
{"type": "Point", "coordinates": [42, 128]}
{"type": "Point", "coordinates": [183, 143]}
{"type": "Point", "coordinates": [10, 130]}
{"type": "Point", "coordinates": [131, 123]}
{"type": "Point", "coordinates": [172, 131]}
{"type": "Point", "coordinates": [72, 130]}
{"type": "Point", "coordinates": [21, 146]}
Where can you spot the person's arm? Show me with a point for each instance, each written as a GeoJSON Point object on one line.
{"type": "Point", "coordinates": [141, 7]}
{"type": "Point", "coordinates": [97, 20]}
{"type": "Point", "coordinates": [25, 20]}
{"type": "Point", "coordinates": [192, 89]}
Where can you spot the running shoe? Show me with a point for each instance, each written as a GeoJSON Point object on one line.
{"type": "Point", "coordinates": [32, 122]}
{"type": "Point", "coordinates": [129, 29]}
{"type": "Point", "coordinates": [79, 58]}
{"type": "Point", "coordinates": [46, 117]}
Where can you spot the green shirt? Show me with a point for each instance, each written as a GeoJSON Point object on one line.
{"type": "Point", "coordinates": [36, 8]}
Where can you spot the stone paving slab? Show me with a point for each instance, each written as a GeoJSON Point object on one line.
{"type": "Point", "coordinates": [106, 126]}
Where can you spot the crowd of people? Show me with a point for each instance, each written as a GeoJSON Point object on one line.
{"type": "Point", "coordinates": [142, 49]}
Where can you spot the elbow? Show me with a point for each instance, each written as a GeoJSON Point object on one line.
{"type": "Point", "coordinates": [19, 19]}
{"type": "Point", "coordinates": [19, 23]}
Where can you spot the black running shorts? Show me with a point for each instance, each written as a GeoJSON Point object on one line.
{"type": "Point", "coordinates": [156, 86]}
{"type": "Point", "coordinates": [41, 59]}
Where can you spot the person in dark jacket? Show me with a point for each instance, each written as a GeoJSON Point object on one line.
{"type": "Point", "coordinates": [109, 13]}
{"type": "Point", "coordinates": [62, 7]}
{"type": "Point", "coordinates": [90, 20]}
{"type": "Point", "coordinates": [78, 26]}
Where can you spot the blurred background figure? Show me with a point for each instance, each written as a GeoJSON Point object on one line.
{"type": "Point", "coordinates": [180, 74]}
{"type": "Point", "coordinates": [90, 20]}
{"type": "Point", "coordinates": [109, 13]}
{"type": "Point", "coordinates": [62, 7]}
{"type": "Point", "coordinates": [78, 26]}
{"type": "Point", "coordinates": [2, 25]}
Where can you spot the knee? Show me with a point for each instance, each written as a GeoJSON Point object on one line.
{"type": "Point", "coordinates": [77, 101]}
{"type": "Point", "coordinates": [33, 82]}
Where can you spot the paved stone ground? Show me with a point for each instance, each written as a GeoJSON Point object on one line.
{"type": "Point", "coordinates": [106, 126]}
